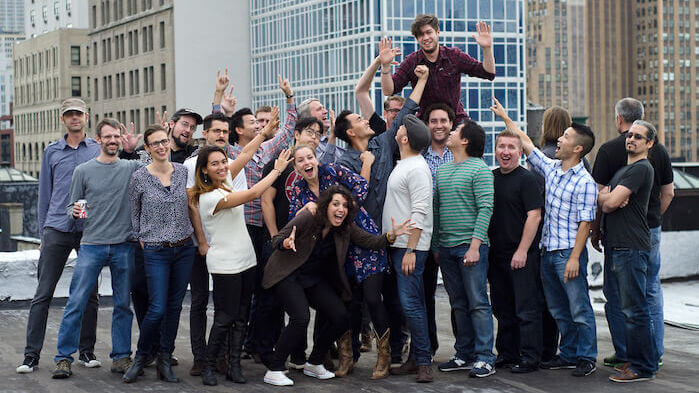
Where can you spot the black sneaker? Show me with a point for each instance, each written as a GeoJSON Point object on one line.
{"type": "Point", "coordinates": [28, 365]}
{"type": "Point", "coordinates": [89, 360]}
{"type": "Point", "coordinates": [584, 368]}
{"type": "Point", "coordinates": [62, 369]}
{"type": "Point", "coordinates": [524, 367]}
{"type": "Point", "coordinates": [557, 363]}
{"type": "Point", "coordinates": [501, 362]}
{"type": "Point", "coordinates": [613, 361]}
{"type": "Point", "coordinates": [455, 364]}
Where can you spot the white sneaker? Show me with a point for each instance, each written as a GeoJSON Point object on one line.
{"type": "Point", "coordinates": [317, 371]}
{"type": "Point", "coordinates": [277, 378]}
{"type": "Point", "coordinates": [89, 360]}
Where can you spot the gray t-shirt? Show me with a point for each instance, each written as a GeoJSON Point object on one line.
{"type": "Point", "coordinates": [628, 226]}
{"type": "Point", "coordinates": [105, 187]}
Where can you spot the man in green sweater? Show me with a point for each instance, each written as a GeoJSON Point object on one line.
{"type": "Point", "coordinates": [463, 205]}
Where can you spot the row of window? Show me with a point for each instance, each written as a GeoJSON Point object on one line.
{"type": "Point", "coordinates": [115, 86]}
{"type": "Point", "coordinates": [111, 11]}
{"type": "Point", "coordinates": [130, 40]}
{"type": "Point", "coordinates": [40, 122]}
{"type": "Point", "coordinates": [45, 11]}
{"type": "Point", "coordinates": [37, 91]}
{"type": "Point", "coordinates": [36, 63]}
{"type": "Point", "coordinates": [134, 116]}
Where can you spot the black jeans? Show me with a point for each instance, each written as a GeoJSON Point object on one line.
{"type": "Point", "coordinates": [369, 293]}
{"type": "Point", "coordinates": [259, 237]}
{"type": "Point", "coordinates": [517, 301]}
{"type": "Point", "coordinates": [55, 249]}
{"type": "Point", "coordinates": [199, 289]}
{"type": "Point", "coordinates": [296, 301]}
{"type": "Point", "coordinates": [232, 295]}
{"type": "Point", "coordinates": [429, 278]}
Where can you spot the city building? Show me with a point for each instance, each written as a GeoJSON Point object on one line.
{"type": "Point", "coordinates": [556, 55]}
{"type": "Point", "coordinates": [155, 56]}
{"type": "Point", "coordinates": [11, 16]}
{"type": "Point", "coordinates": [324, 47]}
{"type": "Point", "coordinates": [648, 50]}
{"type": "Point", "coordinates": [7, 151]}
{"type": "Point", "coordinates": [48, 69]}
{"type": "Point", "coordinates": [43, 16]}
{"type": "Point", "coordinates": [7, 41]}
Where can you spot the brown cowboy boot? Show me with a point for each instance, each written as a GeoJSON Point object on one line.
{"type": "Point", "coordinates": [383, 355]}
{"type": "Point", "coordinates": [345, 355]}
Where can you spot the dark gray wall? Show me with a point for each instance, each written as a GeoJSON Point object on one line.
{"type": "Point", "coordinates": [26, 193]}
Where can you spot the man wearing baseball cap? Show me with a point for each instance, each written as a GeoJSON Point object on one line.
{"type": "Point", "coordinates": [59, 234]}
{"type": "Point", "coordinates": [182, 126]}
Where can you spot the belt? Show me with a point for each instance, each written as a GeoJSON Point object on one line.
{"type": "Point", "coordinates": [170, 244]}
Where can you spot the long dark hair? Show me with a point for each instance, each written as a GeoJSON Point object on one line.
{"type": "Point", "coordinates": [324, 202]}
{"type": "Point", "coordinates": [202, 182]}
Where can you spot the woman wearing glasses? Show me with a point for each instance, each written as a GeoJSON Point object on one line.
{"type": "Point", "coordinates": [160, 220]}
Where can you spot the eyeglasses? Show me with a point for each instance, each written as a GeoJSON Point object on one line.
{"type": "Point", "coordinates": [392, 110]}
{"type": "Point", "coordinates": [312, 132]}
{"type": "Point", "coordinates": [636, 136]}
{"type": "Point", "coordinates": [219, 131]}
{"type": "Point", "coordinates": [191, 127]}
{"type": "Point", "coordinates": [163, 142]}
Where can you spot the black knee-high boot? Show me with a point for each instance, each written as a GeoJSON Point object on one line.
{"type": "Point", "coordinates": [235, 373]}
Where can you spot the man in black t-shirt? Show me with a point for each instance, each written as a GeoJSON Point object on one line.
{"type": "Point", "coordinates": [513, 272]}
{"type": "Point", "coordinates": [610, 158]}
{"type": "Point", "coordinates": [627, 250]}
{"type": "Point", "coordinates": [268, 316]}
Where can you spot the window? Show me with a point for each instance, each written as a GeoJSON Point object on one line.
{"type": "Point", "coordinates": [130, 43]}
{"type": "Point", "coordinates": [69, 6]}
{"type": "Point", "coordinates": [32, 17]}
{"type": "Point", "coordinates": [75, 89]}
{"type": "Point", "coordinates": [75, 55]}
{"type": "Point", "coordinates": [144, 35]}
{"type": "Point", "coordinates": [151, 79]}
{"type": "Point", "coordinates": [45, 13]}
{"type": "Point", "coordinates": [97, 92]}
{"type": "Point", "coordinates": [136, 81]}
{"type": "Point", "coordinates": [56, 9]}
{"type": "Point", "coordinates": [162, 34]}
{"type": "Point", "coordinates": [94, 52]}
{"type": "Point", "coordinates": [135, 42]}
{"type": "Point", "coordinates": [150, 37]}
{"type": "Point", "coordinates": [162, 76]}
{"type": "Point", "coordinates": [116, 46]}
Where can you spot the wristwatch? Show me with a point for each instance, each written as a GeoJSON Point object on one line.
{"type": "Point", "coordinates": [409, 250]}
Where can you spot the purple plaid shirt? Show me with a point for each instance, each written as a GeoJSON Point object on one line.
{"type": "Point", "coordinates": [267, 152]}
{"type": "Point", "coordinates": [444, 82]}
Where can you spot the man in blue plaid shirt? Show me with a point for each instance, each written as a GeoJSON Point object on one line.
{"type": "Point", "coordinates": [571, 203]}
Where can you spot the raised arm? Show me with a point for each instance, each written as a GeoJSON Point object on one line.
{"type": "Point", "coordinates": [249, 150]}
{"type": "Point", "coordinates": [361, 91]}
{"type": "Point", "coordinates": [237, 198]}
{"type": "Point", "coordinates": [527, 144]}
{"type": "Point", "coordinates": [272, 148]}
{"type": "Point", "coordinates": [484, 38]}
{"type": "Point", "coordinates": [387, 55]}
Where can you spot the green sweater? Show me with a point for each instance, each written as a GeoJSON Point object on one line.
{"type": "Point", "coordinates": [463, 203]}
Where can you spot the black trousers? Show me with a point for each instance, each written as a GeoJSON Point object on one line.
{"type": "Point", "coordinates": [367, 293]}
{"type": "Point", "coordinates": [549, 331]}
{"type": "Point", "coordinates": [296, 301]}
{"type": "Point", "coordinates": [55, 249]}
{"type": "Point", "coordinates": [258, 236]}
{"type": "Point", "coordinates": [517, 301]}
{"type": "Point", "coordinates": [232, 295]}
{"type": "Point", "coordinates": [199, 289]}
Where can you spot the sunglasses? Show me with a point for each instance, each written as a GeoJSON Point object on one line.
{"type": "Point", "coordinates": [636, 136]}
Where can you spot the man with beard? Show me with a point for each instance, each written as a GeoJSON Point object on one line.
{"type": "Point", "coordinates": [446, 65]}
{"type": "Point", "coordinates": [182, 125]}
{"type": "Point", "coordinates": [104, 183]}
{"type": "Point", "coordinates": [59, 234]}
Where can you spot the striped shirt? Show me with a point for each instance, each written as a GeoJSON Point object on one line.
{"type": "Point", "coordinates": [463, 203]}
{"type": "Point", "coordinates": [571, 197]}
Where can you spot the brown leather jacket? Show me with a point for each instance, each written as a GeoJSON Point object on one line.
{"type": "Point", "coordinates": [283, 262]}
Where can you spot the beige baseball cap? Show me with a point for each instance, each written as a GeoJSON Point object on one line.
{"type": "Point", "coordinates": [73, 104]}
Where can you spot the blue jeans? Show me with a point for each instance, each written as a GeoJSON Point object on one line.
{"type": "Point", "coordinates": [411, 292]}
{"type": "Point", "coordinates": [91, 259]}
{"type": "Point", "coordinates": [630, 268]}
{"type": "Point", "coordinates": [468, 296]}
{"type": "Point", "coordinates": [654, 296]}
{"type": "Point", "coordinates": [167, 273]}
{"type": "Point", "coordinates": [569, 304]}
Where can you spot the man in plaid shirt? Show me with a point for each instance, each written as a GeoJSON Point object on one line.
{"type": "Point", "coordinates": [571, 204]}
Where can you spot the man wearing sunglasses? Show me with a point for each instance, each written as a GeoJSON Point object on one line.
{"type": "Point", "coordinates": [610, 158]}
{"type": "Point", "coordinates": [626, 235]}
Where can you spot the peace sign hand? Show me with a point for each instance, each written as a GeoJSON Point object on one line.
{"type": "Point", "coordinates": [162, 120]}
{"type": "Point", "coordinates": [228, 102]}
{"type": "Point", "coordinates": [222, 81]}
{"type": "Point", "coordinates": [289, 243]}
{"type": "Point", "coordinates": [129, 139]}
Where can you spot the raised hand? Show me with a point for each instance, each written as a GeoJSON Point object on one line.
{"type": "Point", "coordinates": [289, 243]}
{"type": "Point", "coordinates": [273, 123]}
{"type": "Point", "coordinates": [331, 118]}
{"type": "Point", "coordinates": [402, 229]}
{"type": "Point", "coordinates": [283, 160]}
{"type": "Point", "coordinates": [367, 155]}
{"type": "Point", "coordinates": [422, 72]}
{"type": "Point", "coordinates": [222, 81]}
{"type": "Point", "coordinates": [483, 36]}
{"type": "Point", "coordinates": [387, 53]}
{"type": "Point", "coordinates": [498, 109]}
{"type": "Point", "coordinates": [129, 139]}
{"type": "Point", "coordinates": [162, 120]}
{"type": "Point", "coordinates": [228, 102]}
{"type": "Point", "coordinates": [285, 86]}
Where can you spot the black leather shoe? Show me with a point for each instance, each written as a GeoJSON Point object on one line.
{"type": "Point", "coordinates": [524, 368]}
{"type": "Point", "coordinates": [136, 369]}
{"type": "Point", "coordinates": [208, 377]}
{"type": "Point", "coordinates": [164, 368]}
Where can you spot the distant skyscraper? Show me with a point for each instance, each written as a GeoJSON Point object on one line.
{"type": "Point", "coordinates": [556, 54]}
{"type": "Point", "coordinates": [324, 47]}
{"type": "Point", "coordinates": [11, 16]}
{"type": "Point", "coordinates": [648, 50]}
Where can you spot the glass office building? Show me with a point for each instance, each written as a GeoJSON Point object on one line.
{"type": "Point", "coordinates": [323, 47]}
